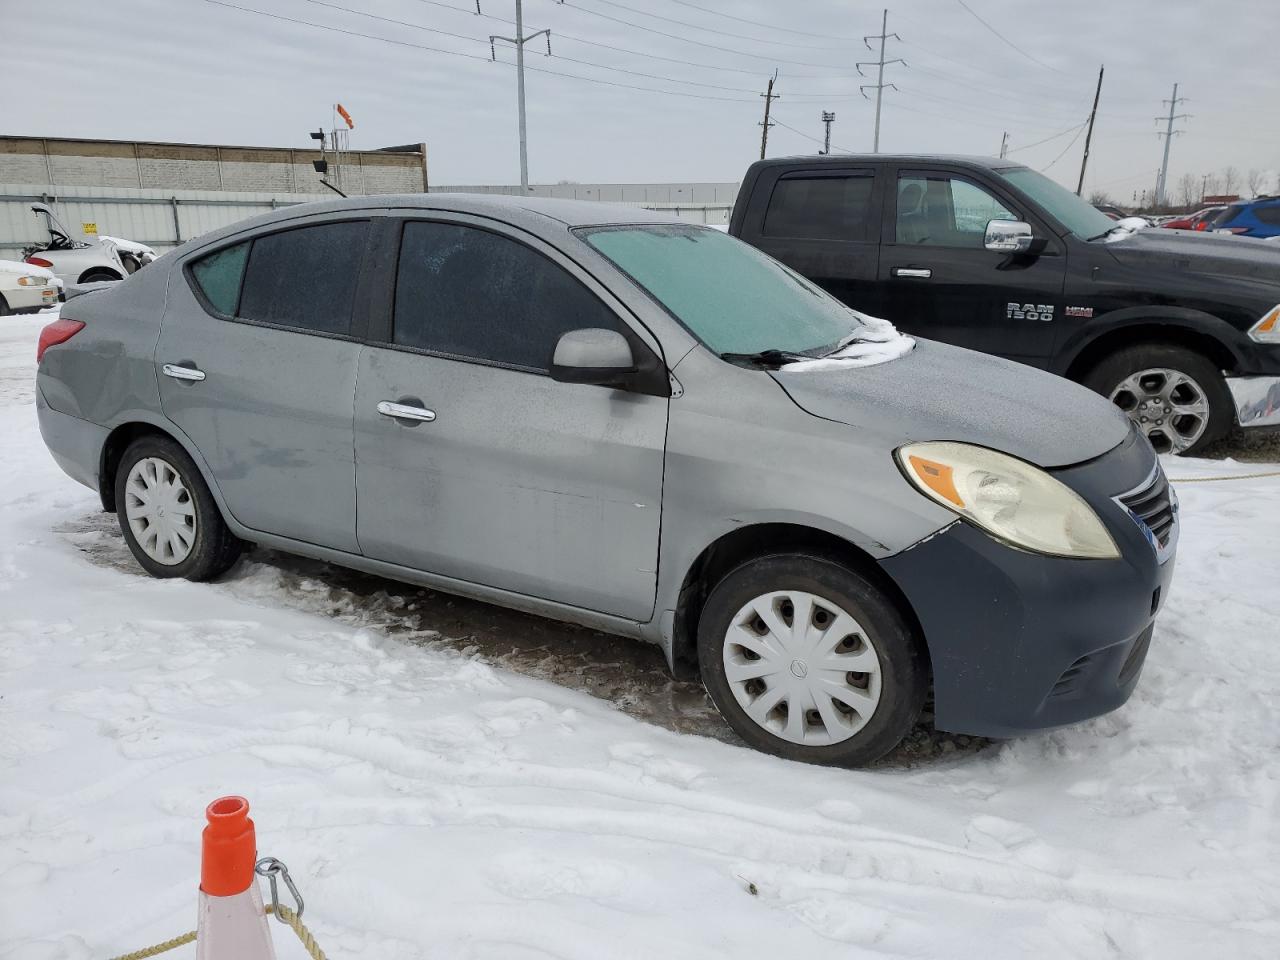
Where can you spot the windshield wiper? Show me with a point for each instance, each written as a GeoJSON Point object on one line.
{"type": "Point", "coordinates": [765, 358]}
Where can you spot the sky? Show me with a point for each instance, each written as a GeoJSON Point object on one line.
{"type": "Point", "coordinates": [200, 71]}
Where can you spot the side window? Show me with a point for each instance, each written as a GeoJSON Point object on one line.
{"type": "Point", "coordinates": [821, 208]}
{"type": "Point", "coordinates": [218, 276]}
{"type": "Point", "coordinates": [1269, 215]}
{"type": "Point", "coordinates": [305, 277]}
{"type": "Point", "coordinates": [470, 293]}
{"type": "Point", "coordinates": [943, 211]}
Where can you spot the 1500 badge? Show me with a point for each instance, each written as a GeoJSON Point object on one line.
{"type": "Point", "coordinates": [1029, 311]}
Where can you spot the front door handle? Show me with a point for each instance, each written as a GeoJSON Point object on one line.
{"type": "Point", "coordinates": [403, 411]}
{"type": "Point", "coordinates": [180, 372]}
{"type": "Point", "coordinates": [920, 273]}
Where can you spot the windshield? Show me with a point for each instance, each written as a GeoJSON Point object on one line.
{"type": "Point", "coordinates": [1076, 215]}
{"type": "Point", "coordinates": [729, 295]}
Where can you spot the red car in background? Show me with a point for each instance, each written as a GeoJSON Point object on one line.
{"type": "Point", "coordinates": [1193, 221]}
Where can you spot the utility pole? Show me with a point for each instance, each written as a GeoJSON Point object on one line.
{"type": "Point", "coordinates": [769, 97]}
{"type": "Point", "coordinates": [1089, 136]}
{"type": "Point", "coordinates": [1168, 138]}
{"type": "Point", "coordinates": [1004, 145]}
{"type": "Point", "coordinates": [827, 118]}
{"type": "Point", "coordinates": [880, 64]}
{"type": "Point", "coordinates": [519, 40]}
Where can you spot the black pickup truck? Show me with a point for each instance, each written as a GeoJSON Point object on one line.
{"type": "Point", "coordinates": [1181, 330]}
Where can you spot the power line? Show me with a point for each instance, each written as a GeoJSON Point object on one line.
{"type": "Point", "coordinates": [1009, 42]}
{"type": "Point", "coordinates": [1065, 149]}
{"type": "Point", "coordinates": [470, 56]}
{"type": "Point", "coordinates": [805, 135]}
{"type": "Point", "coordinates": [713, 30]}
{"type": "Point", "coordinates": [763, 26]}
{"type": "Point", "coordinates": [1028, 146]}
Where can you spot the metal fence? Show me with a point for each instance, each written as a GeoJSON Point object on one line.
{"type": "Point", "coordinates": [164, 219]}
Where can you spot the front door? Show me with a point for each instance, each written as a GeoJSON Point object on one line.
{"type": "Point", "coordinates": [942, 283]}
{"type": "Point", "coordinates": [488, 470]}
{"type": "Point", "coordinates": [257, 366]}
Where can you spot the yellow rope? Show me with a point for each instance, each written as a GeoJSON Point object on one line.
{"type": "Point", "coordinates": [286, 914]}
{"type": "Point", "coordinates": [1238, 476]}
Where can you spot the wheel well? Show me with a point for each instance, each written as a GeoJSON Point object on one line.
{"type": "Point", "coordinates": [1097, 350]}
{"type": "Point", "coordinates": [747, 543]}
{"type": "Point", "coordinates": [84, 277]}
{"type": "Point", "coordinates": [117, 442]}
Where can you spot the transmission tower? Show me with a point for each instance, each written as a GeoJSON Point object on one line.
{"type": "Point", "coordinates": [1168, 133]}
{"type": "Point", "coordinates": [880, 64]}
{"type": "Point", "coordinates": [518, 41]}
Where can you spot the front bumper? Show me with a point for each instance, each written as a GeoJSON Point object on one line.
{"type": "Point", "coordinates": [1257, 400]}
{"type": "Point", "coordinates": [1021, 641]}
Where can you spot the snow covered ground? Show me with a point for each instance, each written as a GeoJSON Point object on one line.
{"type": "Point", "coordinates": [434, 803]}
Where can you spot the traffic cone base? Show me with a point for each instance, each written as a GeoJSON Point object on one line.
{"type": "Point", "coordinates": [233, 928]}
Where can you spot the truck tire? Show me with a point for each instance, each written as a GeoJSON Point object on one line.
{"type": "Point", "coordinates": [95, 276]}
{"type": "Point", "coordinates": [168, 516]}
{"type": "Point", "coordinates": [810, 661]}
{"type": "Point", "coordinates": [1174, 395]}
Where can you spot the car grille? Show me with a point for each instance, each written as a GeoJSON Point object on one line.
{"type": "Point", "coordinates": [1154, 505]}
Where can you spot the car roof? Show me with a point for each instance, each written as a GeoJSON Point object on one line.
{"type": "Point", "coordinates": [957, 159]}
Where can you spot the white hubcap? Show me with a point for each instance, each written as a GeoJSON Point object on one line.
{"type": "Point", "coordinates": [160, 512]}
{"type": "Point", "coordinates": [802, 668]}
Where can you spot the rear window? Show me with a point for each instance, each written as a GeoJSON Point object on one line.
{"type": "Point", "coordinates": [218, 276]}
{"type": "Point", "coordinates": [821, 208]}
{"type": "Point", "coordinates": [1269, 214]}
{"type": "Point", "coordinates": [306, 277]}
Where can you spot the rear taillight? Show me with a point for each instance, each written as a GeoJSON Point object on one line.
{"type": "Point", "coordinates": [1202, 225]}
{"type": "Point", "coordinates": [60, 331]}
{"type": "Point", "coordinates": [39, 262]}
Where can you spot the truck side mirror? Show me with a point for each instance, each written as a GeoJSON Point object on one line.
{"type": "Point", "coordinates": [1008, 236]}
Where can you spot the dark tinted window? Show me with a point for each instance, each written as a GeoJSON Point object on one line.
{"type": "Point", "coordinates": [821, 208]}
{"type": "Point", "coordinates": [470, 293]}
{"type": "Point", "coordinates": [1226, 214]}
{"type": "Point", "coordinates": [218, 276]}
{"type": "Point", "coordinates": [305, 277]}
{"type": "Point", "coordinates": [1269, 214]}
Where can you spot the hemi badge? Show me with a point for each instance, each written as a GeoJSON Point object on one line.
{"type": "Point", "coordinates": [1079, 311]}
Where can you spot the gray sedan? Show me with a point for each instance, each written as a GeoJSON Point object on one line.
{"type": "Point", "coordinates": [608, 417]}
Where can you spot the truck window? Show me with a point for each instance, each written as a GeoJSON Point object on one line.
{"type": "Point", "coordinates": [944, 211]}
{"type": "Point", "coordinates": [821, 207]}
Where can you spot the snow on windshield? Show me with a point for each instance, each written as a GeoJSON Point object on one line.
{"type": "Point", "coordinates": [878, 342]}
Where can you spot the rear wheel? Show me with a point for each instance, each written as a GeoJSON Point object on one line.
{"type": "Point", "coordinates": [94, 276]}
{"type": "Point", "coordinates": [1175, 396]}
{"type": "Point", "coordinates": [167, 514]}
{"type": "Point", "coordinates": [810, 661]}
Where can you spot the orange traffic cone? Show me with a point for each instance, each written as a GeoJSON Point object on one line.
{"type": "Point", "coordinates": [233, 923]}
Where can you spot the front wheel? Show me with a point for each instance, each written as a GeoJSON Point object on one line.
{"type": "Point", "coordinates": [810, 661]}
{"type": "Point", "coordinates": [1178, 398]}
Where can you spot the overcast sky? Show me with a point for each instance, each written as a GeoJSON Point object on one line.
{"type": "Point", "coordinates": [193, 71]}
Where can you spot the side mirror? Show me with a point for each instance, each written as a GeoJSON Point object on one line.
{"type": "Point", "coordinates": [1008, 236]}
{"type": "Point", "coordinates": [593, 355]}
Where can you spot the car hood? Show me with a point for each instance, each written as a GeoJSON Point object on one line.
{"type": "Point", "coordinates": [940, 392]}
{"type": "Point", "coordinates": [1198, 252]}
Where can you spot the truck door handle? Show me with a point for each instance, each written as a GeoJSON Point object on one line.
{"type": "Point", "coordinates": [921, 273]}
{"type": "Point", "coordinates": [180, 372]}
{"type": "Point", "coordinates": [403, 411]}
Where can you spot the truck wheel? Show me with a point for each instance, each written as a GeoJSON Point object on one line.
{"type": "Point", "coordinates": [1177, 397]}
{"type": "Point", "coordinates": [810, 661]}
{"type": "Point", "coordinates": [167, 514]}
{"type": "Point", "coordinates": [94, 276]}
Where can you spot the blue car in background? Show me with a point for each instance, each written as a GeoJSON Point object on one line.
{"type": "Point", "coordinates": [1259, 217]}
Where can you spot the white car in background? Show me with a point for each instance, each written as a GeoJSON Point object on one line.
{"type": "Point", "coordinates": [25, 288]}
{"type": "Point", "coordinates": [84, 261]}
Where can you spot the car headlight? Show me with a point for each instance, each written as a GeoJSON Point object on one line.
{"type": "Point", "coordinates": [1267, 330]}
{"type": "Point", "coordinates": [1007, 497]}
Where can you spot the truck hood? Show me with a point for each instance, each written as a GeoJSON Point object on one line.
{"type": "Point", "coordinates": [940, 392]}
{"type": "Point", "coordinates": [1202, 253]}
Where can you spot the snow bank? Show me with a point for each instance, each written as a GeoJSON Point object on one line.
{"type": "Point", "coordinates": [879, 342]}
{"type": "Point", "coordinates": [431, 805]}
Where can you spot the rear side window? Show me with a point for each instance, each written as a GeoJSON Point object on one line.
{"type": "Point", "coordinates": [821, 208]}
{"type": "Point", "coordinates": [1227, 214]}
{"type": "Point", "coordinates": [218, 277]}
{"type": "Point", "coordinates": [469, 293]}
{"type": "Point", "coordinates": [306, 277]}
{"type": "Point", "coordinates": [1269, 214]}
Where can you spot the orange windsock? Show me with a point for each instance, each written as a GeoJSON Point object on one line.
{"type": "Point", "coordinates": [342, 112]}
{"type": "Point", "coordinates": [229, 848]}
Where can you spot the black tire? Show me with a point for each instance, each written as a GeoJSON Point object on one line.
{"type": "Point", "coordinates": [1113, 370]}
{"type": "Point", "coordinates": [95, 276]}
{"type": "Point", "coordinates": [215, 549]}
{"type": "Point", "coordinates": [903, 665]}
{"type": "Point", "coordinates": [4, 308]}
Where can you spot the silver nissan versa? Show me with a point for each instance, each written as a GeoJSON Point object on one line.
{"type": "Point", "coordinates": [607, 417]}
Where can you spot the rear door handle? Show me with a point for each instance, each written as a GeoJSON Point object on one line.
{"type": "Point", "coordinates": [403, 411]}
{"type": "Point", "coordinates": [920, 273]}
{"type": "Point", "coordinates": [179, 372]}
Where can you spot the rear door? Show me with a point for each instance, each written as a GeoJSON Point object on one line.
{"type": "Point", "coordinates": [257, 361]}
{"type": "Point", "coordinates": [507, 478]}
{"type": "Point", "coordinates": [942, 283]}
{"type": "Point", "coordinates": [824, 223]}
